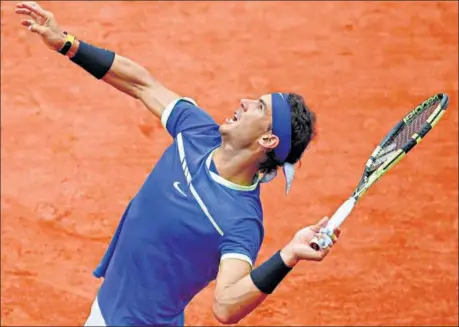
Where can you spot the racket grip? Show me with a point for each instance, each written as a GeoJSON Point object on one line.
{"type": "Point", "coordinates": [335, 221]}
{"type": "Point", "coordinates": [341, 214]}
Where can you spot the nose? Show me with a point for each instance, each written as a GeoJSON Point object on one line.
{"type": "Point", "coordinates": [245, 104]}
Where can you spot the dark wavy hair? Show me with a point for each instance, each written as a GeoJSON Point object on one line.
{"type": "Point", "coordinates": [303, 130]}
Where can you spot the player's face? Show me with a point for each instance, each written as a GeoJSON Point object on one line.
{"type": "Point", "coordinates": [250, 122]}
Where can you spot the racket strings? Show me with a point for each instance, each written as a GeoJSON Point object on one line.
{"type": "Point", "coordinates": [402, 136]}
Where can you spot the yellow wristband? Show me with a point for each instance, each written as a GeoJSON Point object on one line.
{"type": "Point", "coordinates": [69, 40]}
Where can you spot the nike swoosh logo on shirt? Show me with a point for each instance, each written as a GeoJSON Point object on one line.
{"type": "Point", "coordinates": [176, 186]}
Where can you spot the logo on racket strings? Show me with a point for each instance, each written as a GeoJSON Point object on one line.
{"type": "Point", "coordinates": [416, 111]}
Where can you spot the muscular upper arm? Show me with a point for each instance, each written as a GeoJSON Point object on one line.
{"type": "Point", "coordinates": [230, 271]}
{"type": "Point", "coordinates": [135, 80]}
{"type": "Point", "coordinates": [156, 97]}
{"type": "Point", "coordinates": [235, 294]}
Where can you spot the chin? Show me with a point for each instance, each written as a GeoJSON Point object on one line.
{"type": "Point", "coordinates": [222, 128]}
{"type": "Point", "coordinates": [225, 128]}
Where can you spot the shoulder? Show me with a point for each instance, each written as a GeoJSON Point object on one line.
{"type": "Point", "coordinates": [184, 114]}
{"type": "Point", "coordinates": [242, 238]}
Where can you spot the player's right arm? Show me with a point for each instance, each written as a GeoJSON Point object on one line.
{"type": "Point", "coordinates": [239, 289]}
{"type": "Point", "coordinates": [116, 70]}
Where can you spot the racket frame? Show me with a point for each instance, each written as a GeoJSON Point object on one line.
{"type": "Point", "coordinates": [369, 178]}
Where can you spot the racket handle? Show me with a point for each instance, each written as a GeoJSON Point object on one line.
{"type": "Point", "coordinates": [335, 221]}
{"type": "Point", "coordinates": [342, 213]}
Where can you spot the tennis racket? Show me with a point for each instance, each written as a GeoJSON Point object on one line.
{"type": "Point", "coordinates": [395, 145]}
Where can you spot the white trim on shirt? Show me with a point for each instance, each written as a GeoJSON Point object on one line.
{"type": "Point", "coordinates": [182, 156]}
{"type": "Point", "coordinates": [168, 110]}
{"type": "Point", "coordinates": [220, 180]}
{"type": "Point", "coordinates": [239, 256]}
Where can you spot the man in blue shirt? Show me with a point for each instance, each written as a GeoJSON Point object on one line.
{"type": "Point", "coordinates": [198, 215]}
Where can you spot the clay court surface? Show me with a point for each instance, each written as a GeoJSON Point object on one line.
{"type": "Point", "coordinates": [74, 150]}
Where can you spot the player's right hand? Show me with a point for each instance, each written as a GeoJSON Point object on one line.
{"type": "Point", "coordinates": [299, 248]}
{"type": "Point", "coordinates": [41, 22]}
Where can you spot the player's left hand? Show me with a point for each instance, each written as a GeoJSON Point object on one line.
{"type": "Point", "coordinates": [299, 248]}
{"type": "Point", "coordinates": [41, 22]}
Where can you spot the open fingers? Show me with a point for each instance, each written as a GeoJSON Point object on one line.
{"type": "Point", "coordinates": [27, 22]}
{"type": "Point", "coordinates": [33, 26]}
{"type": "Point", "coordinates": [33, 8]}
{"type": "Point", "coordinates": [23, 11]}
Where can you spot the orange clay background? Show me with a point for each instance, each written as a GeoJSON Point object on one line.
{"type": "Point", "coordinates": [74, 150]}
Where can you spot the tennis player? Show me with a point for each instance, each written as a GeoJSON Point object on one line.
{"type": "Point", "coordinates": [198, 215]}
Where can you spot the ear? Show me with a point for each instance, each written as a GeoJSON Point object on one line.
{"type": "Point", "coordinates": [268, 141]}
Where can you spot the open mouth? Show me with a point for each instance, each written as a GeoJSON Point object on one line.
{"type": "Point", "coordinates": [233, 119]}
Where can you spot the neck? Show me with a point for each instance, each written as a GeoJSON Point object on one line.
{"type": "Point", "coordinates": [236, 166]}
